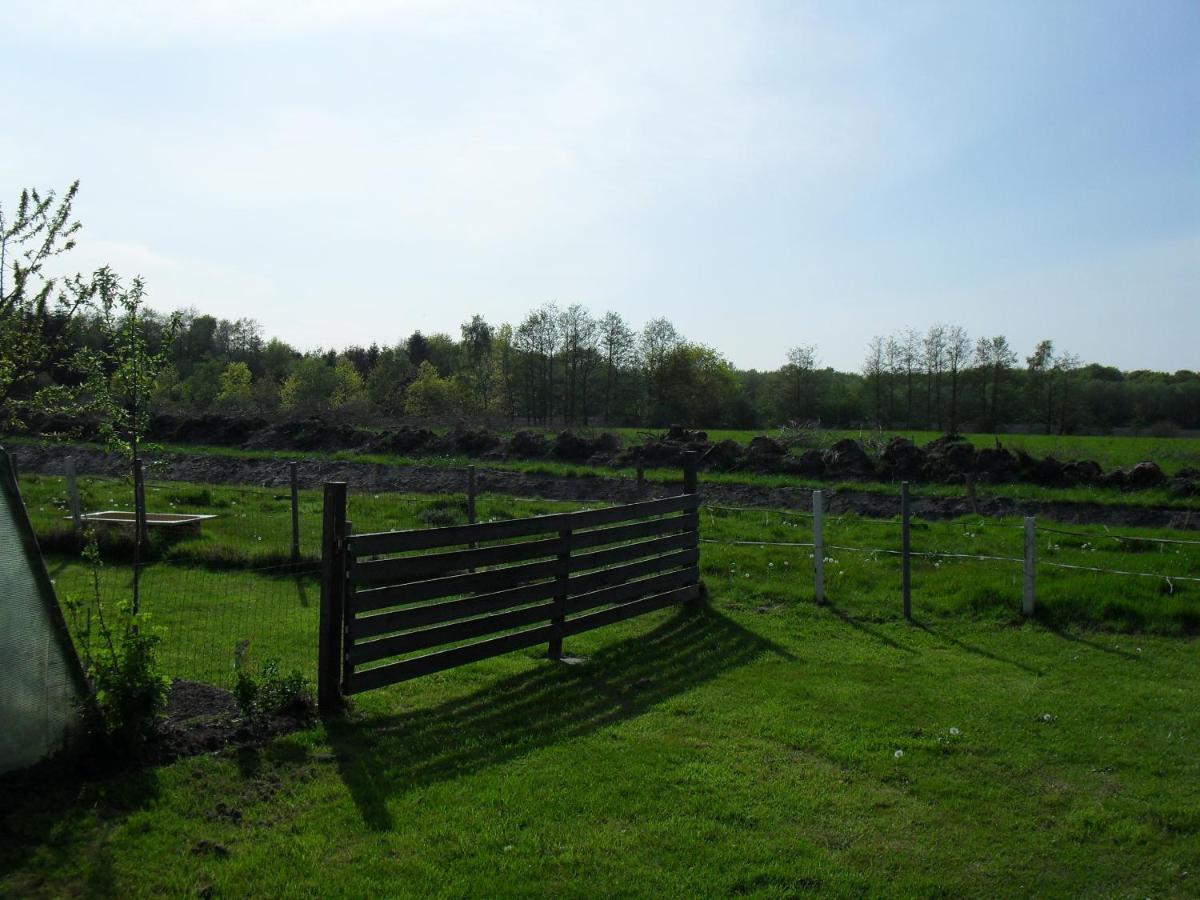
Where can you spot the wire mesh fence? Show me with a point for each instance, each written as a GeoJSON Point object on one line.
{"type": "Point", "coordinates": [226, 572]}
{"type": "Point", "coordinates": [231, 571]}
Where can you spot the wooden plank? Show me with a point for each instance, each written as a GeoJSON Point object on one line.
{"type": "Point", "coordinates": [591, 518]}
{"type": "Point", "coordinates": [371, 651]}
{"type": "Point", "coordinates": [625, 553]}
{"type": "Point", "coordinates": [436, 613]}
{"type": "Point", "coordinates": [629, 610]}
{"type": "Point", "coordinates": [447, 659]}
{"type": "Point", "coordinates": [582, 584]}
{"type": "Point", "coordinates": [379, 543]}
{"type": "Point", "coordinates": [634, 589]}
{"type": "Point", "coordinates": [420, 591]}
{"type": "Point", "coordinates": [598, 537]}
{"type": "Point", "coordinates": [430, 565]}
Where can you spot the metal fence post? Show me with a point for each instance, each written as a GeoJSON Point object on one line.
{"type": "Point", "coordinates": [333, 587]}
{"type": "Point", "coordinates": [905, 552]}
{"type": "Point", "coordinates": [818, 508]}
{"type": "Point", "coordinates": [641, 481]}
{"type": "Point", "coordinates": [73, 496]}
{"type": "Point", "coordinates": [1029, 597]}
{"type": "Point", "coordinates": [294, 477]}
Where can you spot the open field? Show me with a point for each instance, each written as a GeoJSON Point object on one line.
{"type": "Point", "coordinates": [762, 745]}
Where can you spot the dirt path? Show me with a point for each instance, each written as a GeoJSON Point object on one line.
{"type": "Point", "coordinates": [51, 459]}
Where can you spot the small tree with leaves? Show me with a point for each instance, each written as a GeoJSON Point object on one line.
{"type": "Point", "coordinates": [35, 306]}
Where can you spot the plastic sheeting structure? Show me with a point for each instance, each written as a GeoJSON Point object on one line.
{"type": "Point", "coordinates": [41, 683]}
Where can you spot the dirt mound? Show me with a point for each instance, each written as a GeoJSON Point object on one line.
{"type": "Point", "coordinates": [903, 458]}
{"type": "Point", "coordinates": [475, 441]}
{"type": "Point", "coordinates": [528, 445]}
{"type": "Point", "coordinates": [402, 441]}
{"type": "Point", "coordinates": [213, 429]}
{"type": "Point", "coordinates": [847, 459]}
{"type": "Point", "coordinates": [310, 435]}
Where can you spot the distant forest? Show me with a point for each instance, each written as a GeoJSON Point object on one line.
{"type": "Point", "coordinates": [568, 366]}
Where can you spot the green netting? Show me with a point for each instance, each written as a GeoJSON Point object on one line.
{"type": "Point", "coordinates": [40, 688]}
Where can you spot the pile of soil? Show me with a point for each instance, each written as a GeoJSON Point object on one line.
{"type": "Point", "coordinates": [949, 459]}
{"type": "Point", "coordinates": [201, 718]}
{"type": "Point", "coordinates": [435, 479]}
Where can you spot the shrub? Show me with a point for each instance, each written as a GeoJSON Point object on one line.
{"type": "Point", "coordinates": [120, 657]}
{"type": "Point", "coordinates": [269, 692]}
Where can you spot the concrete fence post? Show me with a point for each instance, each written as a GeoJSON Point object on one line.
{"type": "Point", "coordinates": [1028, 599]}
{"type": "Point", "coordinates": [818, 512]}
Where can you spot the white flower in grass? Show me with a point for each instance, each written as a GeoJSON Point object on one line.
{"type": "Point", "coordinates": [899, 754]}
{"type": "Point", "coordinates": [786, 563]}
{"type": "Point", "coordinates": [747, 574]}
{"type": "Point", "coordinates": [954, 732]}
{"type": "Point", "coordinates": [770, 565]}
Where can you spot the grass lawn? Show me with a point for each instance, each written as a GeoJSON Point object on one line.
{"type": "Point", "coordinates": [754, 750]}
{"type": "Point", "coordinates": [760, 746]}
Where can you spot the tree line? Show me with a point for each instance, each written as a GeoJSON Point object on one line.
{"type": "Point", "coordinates": [568, 366]}
{"type": "Point", "coordinates": [557, 365]}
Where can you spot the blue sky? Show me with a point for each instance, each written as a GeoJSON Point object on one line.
{"type": "Point", "coordinates": [763, 174]}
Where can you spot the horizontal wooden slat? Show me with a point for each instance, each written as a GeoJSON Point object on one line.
{"type": "Point", "coordinates": [626, 552]}
{"type": "Point", "coordinates": [431, 565]}
{"type": "Point", "coordinates": [616, 534]}
{"type": "Point", "coordinates": [418, 591]}
{"type": "Point", "coordinates": [591, 518]}
{"type": "Point", "coordinates": [629, 610]}
{"type": "Point", "coordinates": [446, 659]}
{"type": "Point", "coordinates": [374, 544]}
{"type": "Point", "coordinates": [582, 584]}
{"type": "Point", "coordinates": [632, 590]}
{"type": "Point", "coordinates": [371, 651]}
{"type": "Point", "coordinates": [435, 613]}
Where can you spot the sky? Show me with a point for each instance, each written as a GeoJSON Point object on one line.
{"type": "Point", "coordinates": [763, 174]}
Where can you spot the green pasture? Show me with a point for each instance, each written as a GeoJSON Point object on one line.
{"type": "Point", "coordinates": [236, 582]}
{"type": "Point", "coordinates": [757, 745]}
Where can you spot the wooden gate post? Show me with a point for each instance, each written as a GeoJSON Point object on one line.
{"type": "Point", "coordinates": [333, 594]}
{"type": "Point", "coordinates": [562, 577]}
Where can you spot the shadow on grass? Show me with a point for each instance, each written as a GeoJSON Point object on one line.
{"type": "Point", "coordinates": [859, 625]}
{"type": "Point", "coordinates": [386, 756]}
{"type": "Point", "coordinates": [51, 812]}
{"type": "Point", "coordinates": [1074, 637]}
{"type": "Point", "coordinates": [977, 651]}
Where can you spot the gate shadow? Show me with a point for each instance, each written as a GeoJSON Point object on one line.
{"type": "Point", "coordinates": [386, 756]}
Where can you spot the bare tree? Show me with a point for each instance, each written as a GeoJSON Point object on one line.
{"type": "Point", "coordinates": [935, 365]}
{"type": "Point", "coordinates": [958, 353]}
{"type": "Point", "coordinates": [617, 343]}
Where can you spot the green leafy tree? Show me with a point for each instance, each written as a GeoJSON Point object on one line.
{"type": "Point", "coordinates": [35, 307]}
{"type": "Point", "coordinates": [429, 394]}
{"type": "Point", "coordinates": [237, 382]}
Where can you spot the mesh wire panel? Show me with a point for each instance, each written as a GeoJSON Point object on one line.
{"type": "Point", "coordinates": [39, 690]}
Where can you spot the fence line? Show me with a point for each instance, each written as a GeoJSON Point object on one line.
{"type": "Point", "coordinates": [1119, 537]}
{"type": "Point", "coordinates": [1028, 562]}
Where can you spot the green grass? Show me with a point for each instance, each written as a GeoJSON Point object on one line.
{"type": "Point", "coordinates": [738, 751]}
{"type": "Point", "coordinates": [749, 748]}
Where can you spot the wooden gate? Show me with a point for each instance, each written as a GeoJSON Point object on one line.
{"type": "Point", "coordinates": [400, 604]}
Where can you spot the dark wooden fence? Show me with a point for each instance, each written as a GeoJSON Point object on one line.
{"type": "Point", "coordinates": [513, 584]}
